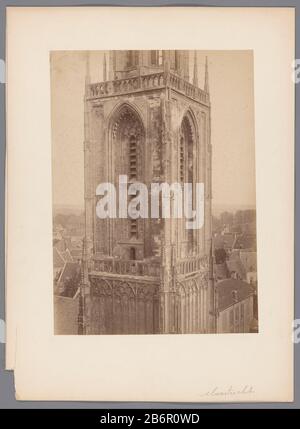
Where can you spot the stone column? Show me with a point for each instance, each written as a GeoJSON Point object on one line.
{"type": "Point", "coordinates": [166, 253]}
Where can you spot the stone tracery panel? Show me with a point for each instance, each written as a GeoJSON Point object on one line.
{"type": "Point", "coordinates": [119, 307]}
{"type": "Point", "coordinates": [191, 296]}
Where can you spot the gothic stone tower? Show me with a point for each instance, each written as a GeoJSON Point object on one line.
{"type": "Point", "coordinates": [149, 122]}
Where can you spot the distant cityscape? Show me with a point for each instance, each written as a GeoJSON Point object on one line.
{"type": "Point", "coordinates": [234, 266]}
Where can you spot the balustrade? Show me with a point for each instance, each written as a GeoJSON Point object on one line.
{"type": "Point", "coordinates": [127, 267]}
{"type": "Point", "coordinates": [146, 82]}
{"type": "Point", "coordinates": [150, 269]}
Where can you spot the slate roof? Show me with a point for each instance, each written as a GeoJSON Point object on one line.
{"type": "Point", "coordinates": [220, 271]}
{"type": "Point", "coordinates": [71, 270]}
{"type": "Point", "coordinates": [225, 290]}
{"type": "Point", "coordinates": [245, 241]}
{"type": "Point", "coordinates": [65, 315]}
{"type": "Point", "coordinates": [67, 256]}
{"type": "Point", "coordinates": [225, 241]}
{"type": "Point", "coordinates": [58, 260]}
{"type": "Point", "coordinates": [249, 260]}
{"type": "Point", "coordinates": [235, 265]}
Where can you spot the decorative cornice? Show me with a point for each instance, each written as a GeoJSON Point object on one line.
{"type": "Point", "coordinates": [145, 83]}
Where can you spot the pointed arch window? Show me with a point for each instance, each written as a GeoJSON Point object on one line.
{"type": "Point", "coordinates": [186, 166]}
{"type": "Point", "coordinates": [128, 141]}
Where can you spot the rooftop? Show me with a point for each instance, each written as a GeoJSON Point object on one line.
{"type": "Point", "coordinates": [226, 292]}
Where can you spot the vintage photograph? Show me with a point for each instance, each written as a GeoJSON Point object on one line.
{"type": "Point", "coordinates": [153, 173]}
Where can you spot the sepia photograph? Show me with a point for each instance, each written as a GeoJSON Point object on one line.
{"type": "Point", "coordinates": [153, 171]}
{"type": "Point", "coordinates": [149, 222]}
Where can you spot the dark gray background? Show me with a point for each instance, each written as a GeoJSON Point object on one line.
{"type": "Point", "coordinates": [7, 399]}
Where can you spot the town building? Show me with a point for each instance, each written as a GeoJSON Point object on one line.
{"type": "Point", "coordinates": [234, 307]}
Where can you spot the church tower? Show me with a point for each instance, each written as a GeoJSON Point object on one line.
{"type": "Point", "coordinates": [147, 120]}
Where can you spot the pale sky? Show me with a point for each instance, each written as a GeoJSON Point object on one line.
{"type": "Point", "coordinates": [232, 123]}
